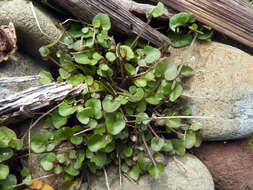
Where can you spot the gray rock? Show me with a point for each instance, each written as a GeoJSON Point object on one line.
{"type": "Point", "coordinates": [182, 173]}
{"type": "Point", "coordinates": [30, 38]}
{"type": "Point", "coordinates": [18, 65]}
{"type": "Point", "coordinates": [221, 88]}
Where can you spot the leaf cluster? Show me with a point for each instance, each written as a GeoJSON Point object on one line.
{"type": "Point", "coordinates": [8, 143]}
{"type": "Point", "coordinates": [123, 116]}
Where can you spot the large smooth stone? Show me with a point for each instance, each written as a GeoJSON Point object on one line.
{"type": "Point", "coordinates": [18, 65]}
{"type": "Point", "coordinates": [230, 163]}
{"type": "Point", "coordinates": [30, 38]}
{"type": "Point", "coordinates": [221, 88]}
{"type": "Point", "coordinates": [187, 173]}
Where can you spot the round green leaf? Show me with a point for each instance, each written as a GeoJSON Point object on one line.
{"type": "Point", "coordinates": [110, 56]}
{"type": "Point", "coordinates": [130, 69]}
{"type": "Point", "coordinates": [176, 93]}
{"type": "Point", "coordinates": [102, 21]}
{"type": "Point", "coordinates": [76, 140]}
{"type": "Point", "coordinates": [84, 115]}
{"type": "Point", "coordinates": [110, 105]}
{"type": "Point", "coordinates": [157, 144]}
{"type": "Point", "coordinates": [47, 161]}
{"type": "Point", "coordinates": [158, 10]}
{"type": "Point", "coordinates": [115, 122]}
{"type": "Point", "coordinates": [195, 126]}
{"type": "Point", "coordinates": [171, 72]}
{"type": "Point", "coordinates": [180, 19]}
{"type": "Point", "coordinates": [96, 106]}
{"type": "Point", "coordinates": [96, 142]}
{"type": "Point", "coordinates": [126, 52]}
{"type": "Point", "coordinates": [71, 170]}
{"type": "Point", "coordinates": [7, 183]}
{"type": "Point", "coordinates": [66, 109]}
{"type": "Point", "coordinates": [134, 172]}
{"type": "Point", "coordinates": [6, 135]}
{"type": "Point", "coordinates": [190, 139]}
{"type": "Point", "coordinates": [4, 171]}
{"type": "Point", "coordinates": [45, 77]}
{"type": "Point", "coordinates": [167, 147]}
{"type": "Point", "coordinates": [152, 54]}
{"type": "Point", "coordinates": [58, 121]}
{"type": "Point", "coordinates": [155, 171]}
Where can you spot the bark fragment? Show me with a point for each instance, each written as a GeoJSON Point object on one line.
{"type": "Point", "coordinates": [8, 41]}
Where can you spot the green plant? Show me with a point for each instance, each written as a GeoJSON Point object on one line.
{"type": "Point", "coordinates": [128, 114]}
{"type": "Point", "coordinates": [183, 27]}
{"type": "Point", "coordinates": [8, 142]}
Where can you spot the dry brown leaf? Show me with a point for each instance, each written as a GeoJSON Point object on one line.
{"type": "Point", "coordinates": [39, 185]}
{"type": "Point", "coordinates": [8, 41]}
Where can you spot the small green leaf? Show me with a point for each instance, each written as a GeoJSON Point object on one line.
{"type": "Point", "coordinates": [178, 146]}
{"type": "Point", "coordinates": [76, 79]}
{"type": "Point", "coordinates": [44, 51]}
{"type": "Point", "coordinates": [45, 77]}
{"type": "Point", "coordinates": [47, 161]}
{"type": "Point", "coordinates": [195, 126]}
{"type": "Point", "coordinates": [167, 147]}
{"type": "Point", "coordinates": [171, 72]}
{"type": "Point", "coordinates": [66, 109]}
{"type": "Point", "coordinates": [176, 93]}
{"type": "Point", "coordinates": [75, 30]}
{"type": "Point", "coordinates": [58, 169]}
{"type": "Point", "coordinates": [110, 56]}
{"type": "Point", "coordinates": [71, 170]}
{"type": "Point", "coordinates": [140, 82]}
{"type": "Point", "coordinates": [84, 115]}
{"type": "Point", "coordinates": [126, 52]}
{"type": "Point", "coordinates": [58, 121]}
{"type": "Point", "coordinates": [158, 10]}
{"type": "Point", "coordinates": [110, 105]}
{"type": "Point", "coordinates": [130, 69]}
{"type": "Point", "coordinates": [180, 40]}
{"type": "Point", "coordinates": [134, 172]}
{"type": "Point", "coordinates": [39, 142]}
{"type": "Point", "coordinates": [157, 144]}
{"type": "Point", "coordinates": [190, 139]}
{"type": "Point", "coordinates": [64, 74]}
{"type": "Point", "coordinates": [96, 142]}
{"type": "Point", "coordinates": [6, 136]}
{"type": "Point", "coordinates": [4, 171]}
{"type": "Point", "coordinates": [174, 123]}
{"type": "Point", "coordinates": [180, 19]}
{"type": "Point", "coordinates": [115, 122]}
{"type": "Point", "coordinates": [76, 140]}
{"type": "Point", "coordinates": [186, 71]}
{"type": "Point", "coordinates": [16, 143]}
{"type": "Point", "coordinates": [7, 183]}
{"type": "Point", "coordinates": [155, 171]}
{"type": "Point", "coordinates": [96, 106]}
{"type": "Point", "coordinates": [102, 21]}
{"type": "Point", "coordinates": [152, 54]}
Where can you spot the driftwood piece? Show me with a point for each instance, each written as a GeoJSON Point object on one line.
{"type": "Point", "coordinates": [124, 22]}
{"type": "Point", "coordinates": [23, 104]}
{"type": "Point", "coordinates": [9, 80]}
{"type": "Point", "coordinates": [231, 17]}
{"type": "Point", "coordinates": [141, 9]}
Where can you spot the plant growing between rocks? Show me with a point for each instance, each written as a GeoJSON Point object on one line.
{"type": "Point", "coordinates": [128, 115]}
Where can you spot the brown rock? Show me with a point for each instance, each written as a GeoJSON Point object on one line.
{"type": "Point", "coordinates": [230, 163]}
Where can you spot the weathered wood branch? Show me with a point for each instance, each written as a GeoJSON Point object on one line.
{"type": "Point", "coordinates": [141, 9]}
{"type": "Point", "coordinates": [231, 17]}
{"type": "Point", "coordinates": [124, 22]}
{"type": "Point", "coordinates": [23, 104]}
{"type": "Point", "coordinates": [9, 80]}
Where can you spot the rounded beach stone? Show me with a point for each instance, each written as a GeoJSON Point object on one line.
{"type": "Point", "coordinates": [222, 88]}
{"type": "Point", "coordinates": [30, 38]}
{"type": "Point", "coordinates": [182, 173]}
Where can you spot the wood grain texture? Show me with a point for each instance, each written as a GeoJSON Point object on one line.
{"type": "Point", "coordinates": [231, 17]}
{"type": "Point", "coordinates": [24, 104]}
{"type": "Point", "coordinates": [124, 22]}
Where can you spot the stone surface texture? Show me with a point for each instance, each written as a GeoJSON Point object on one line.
{"type": "Point", "coordinates": [182, 173]}
{"type": "Point", "coordinates": [18, 65]}
{"type": "Point", "coordinates": [221, 88]}
{"type": "Point", "coordinates": [230, 163]}
{"type": "Point", "coordinates": [30, 37]}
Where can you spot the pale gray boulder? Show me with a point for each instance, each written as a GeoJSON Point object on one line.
{"type": "Point", "coordinates": [182, 173]}
{"type": "Point", "coordinates": [30, 37]}
{"type": "Point", "coordinates": [222, 88]}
